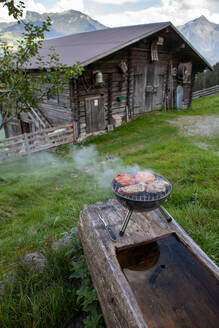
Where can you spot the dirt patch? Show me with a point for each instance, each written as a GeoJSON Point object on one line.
{"type": "Point", "coordinates": [205, 146]}
{"type": "Point", "coordinates": [203, 126]}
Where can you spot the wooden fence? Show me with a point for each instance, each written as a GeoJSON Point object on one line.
{"type": "Point", "coordinates": [28, 143]}
{"type": "Point", "coordinates": [205, 92]}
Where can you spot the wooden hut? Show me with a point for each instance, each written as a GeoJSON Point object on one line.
{"type": "Point", "coordinates": [128, 71]}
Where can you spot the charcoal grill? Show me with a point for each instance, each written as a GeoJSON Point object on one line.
{"type": "Point", "coordinates": [141, 202]}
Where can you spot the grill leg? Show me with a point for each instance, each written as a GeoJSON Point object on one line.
{"type": "Point", "coordinates": [167, 214]}
{"type": "Point", "coordinates": [125, 223]}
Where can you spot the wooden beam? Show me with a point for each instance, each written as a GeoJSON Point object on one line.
{"type": "Point", "coordinates": [110, 98]}
{"type": "Point", "coordinates": [77, 104]}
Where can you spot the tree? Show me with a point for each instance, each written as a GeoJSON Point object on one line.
{"type": "Point", "coordinates": [207, 78]}
{"type": "Point", "coordinates": [19, 90]}
{"type": "Point", "coordinates": [15, 10]}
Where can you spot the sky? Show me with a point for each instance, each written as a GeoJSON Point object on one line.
{"type": "Point", "coordinates": [129, 12]}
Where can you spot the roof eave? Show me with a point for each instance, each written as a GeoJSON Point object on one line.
{"type": "Point", "coordinates": [191, 46]}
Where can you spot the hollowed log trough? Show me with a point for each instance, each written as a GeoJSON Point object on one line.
{"type": "Point", "coordinates": [174, 284]}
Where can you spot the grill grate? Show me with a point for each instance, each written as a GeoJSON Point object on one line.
{"type": "Point", "coordinates": [143, 196]}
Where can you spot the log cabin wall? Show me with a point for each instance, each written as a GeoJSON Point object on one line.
{"type": "Point", "coordinates": [111, 96]}
{"type": "Point", "coordinates": [13, 128]}
{"type": "Point", "coordinates": [145, 86]}
{"type": "Point", "coordinates": [58, 109]}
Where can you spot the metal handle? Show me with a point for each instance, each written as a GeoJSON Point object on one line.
{"type": "Point", "coordinates": [125, 223]}
{"type": "Point", "coordinates": [111, 233]}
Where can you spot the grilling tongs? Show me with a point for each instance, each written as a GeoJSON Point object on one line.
{"type": "Point", "coordinates": [107, 227]}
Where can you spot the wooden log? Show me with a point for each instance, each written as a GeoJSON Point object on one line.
{"type": "Point", "coordinates": [119, 302]}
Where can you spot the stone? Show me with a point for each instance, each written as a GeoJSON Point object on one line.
{"type": "Point", "coordinates": [64, 240]}
{"type": "Point", "coordinates": [35, 261]}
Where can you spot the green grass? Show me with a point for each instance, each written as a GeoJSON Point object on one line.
{"type": "Point", "coordinates": [38, 203]}
{"type": "Point", "coordinates": [41, 299]}
{"type": "Point", "coordinates": [42, 196]}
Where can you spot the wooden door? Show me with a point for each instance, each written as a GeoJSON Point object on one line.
{"type": "Point", "coordinates": [140, 72]}
{"type": "Point", "coordinates": [160, 87]}
{"type": "Point", "coordinates": [149, 86]}
{"type": "Point", "coordinates": [155, 87]}
{"type": "Point", "coordinates": [95, 114]}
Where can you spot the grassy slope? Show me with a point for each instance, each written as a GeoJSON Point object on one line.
{"type": "Point", "coordinates": [41, 201]}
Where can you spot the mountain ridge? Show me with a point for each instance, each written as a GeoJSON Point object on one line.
{"type": "Point", "coordinates": [204, 36]}
{"type": "Point", "coordinates": [63, 23]}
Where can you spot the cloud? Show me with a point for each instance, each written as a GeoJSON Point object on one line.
{"type": "Point", "coordinates": [116, 2]}
{"type": "Point", "coordinates": [4, 14]}
{"type": "Point", "coordinates": [178, 12]}
{"type": "Point", "coordinates": [63, 5]}
{"type": "Point", "coordinates": [31, 5]}
{"type": "Point", "coordinates": [213, 5]}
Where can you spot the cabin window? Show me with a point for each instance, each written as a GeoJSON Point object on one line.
{"type": "Point", "coordinates": [26, 127]}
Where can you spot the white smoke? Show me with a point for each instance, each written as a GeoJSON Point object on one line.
{"type": "Point", "coordinates": [85, 160]}
{"type": "Point", "coordinates": [102, 169]}
{"type": "Point", "coordinates": [44, 160]}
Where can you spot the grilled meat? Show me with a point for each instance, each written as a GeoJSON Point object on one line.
{"type": "Point", "coordinates": [145, 177]}
{"type": "Point", "coordinates": [125, 179]}
{"type": "Point", "coordinates": [156, 186]}
{"type": "Point", "coordinates": [132, 189]}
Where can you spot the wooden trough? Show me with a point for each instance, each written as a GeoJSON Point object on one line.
{"type": "Point", "coordinates": [154, 276]}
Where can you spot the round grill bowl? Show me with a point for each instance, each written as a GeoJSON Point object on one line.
{"type": "Point", "coordinates": [143, 201]}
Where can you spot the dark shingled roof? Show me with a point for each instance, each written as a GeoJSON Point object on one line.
{"type": "Point", "coordinates": [90, 46]}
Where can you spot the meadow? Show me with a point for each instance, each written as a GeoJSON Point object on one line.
{"type": "Point", "coordinates": [41, 198]}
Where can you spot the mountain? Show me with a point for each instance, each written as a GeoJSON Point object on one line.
{"type": "Point", "coordinates": [204, 36]}
{"type": "Point", "coordinates": [66, 22]}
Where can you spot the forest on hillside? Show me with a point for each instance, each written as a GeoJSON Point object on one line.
{"type": "Point", "coordinates": [207, 78]}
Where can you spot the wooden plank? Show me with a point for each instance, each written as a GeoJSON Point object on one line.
{"type": "Point", "coordinates": [37, 141]}
{"type": "Point", "coordinates": [205, 92]}
{"type": "Point", "coordinates": [48, 139]}
{"type": "Point", "coordinates": [12, 145]}
{"type": "Point", "coordinates": [12, 138]}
